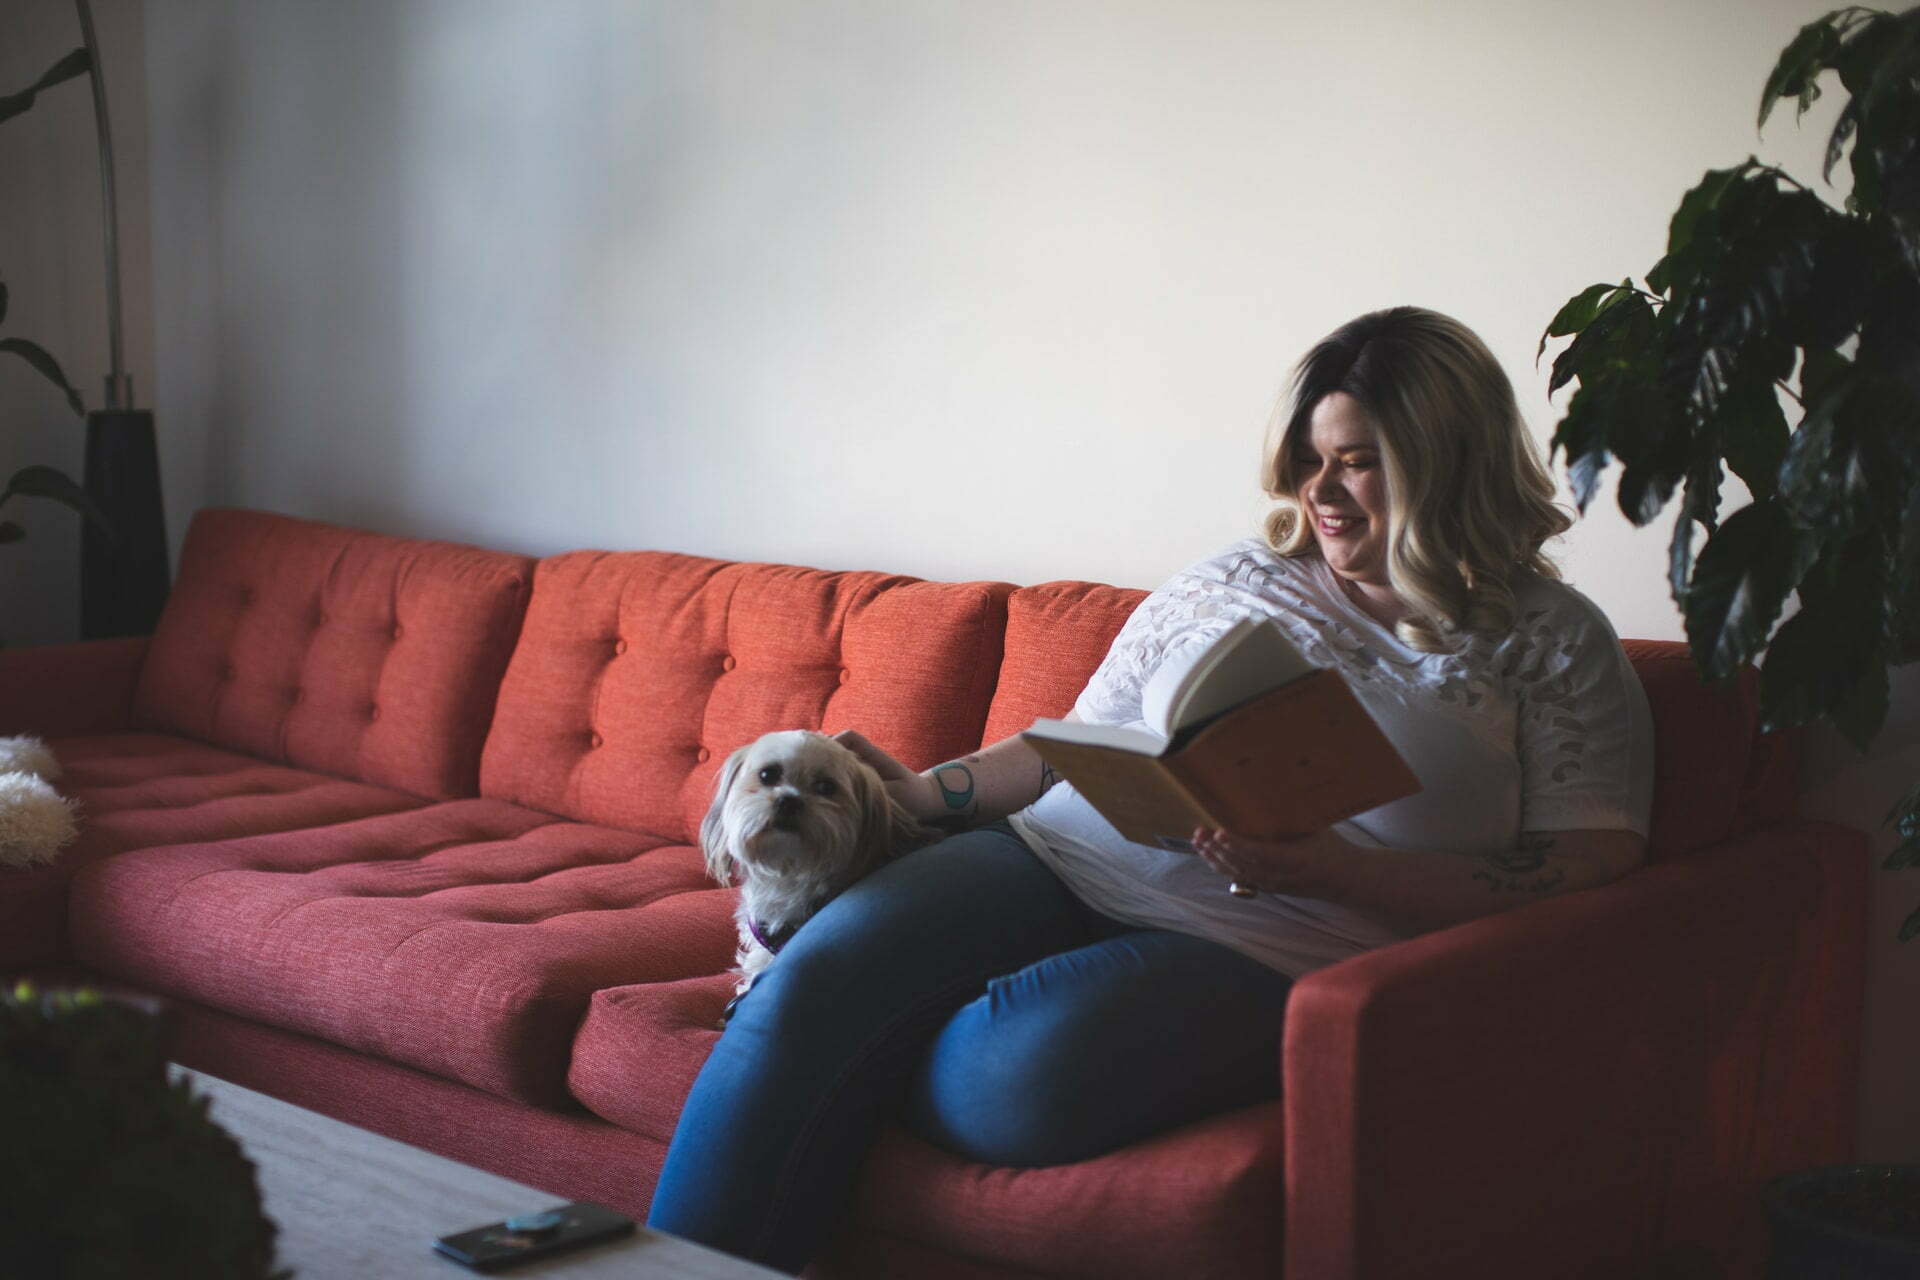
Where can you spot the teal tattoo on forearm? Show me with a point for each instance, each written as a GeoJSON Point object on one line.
{"type": "Point", "coordinates": [1519, 870]}
{"type": "Point", "coordinates": [958, 793]}
{"type": "Point", "coordinates": [1047, 777]}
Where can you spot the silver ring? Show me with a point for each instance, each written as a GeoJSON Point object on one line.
{"type": "Point", "coordinates": [1239, 890]}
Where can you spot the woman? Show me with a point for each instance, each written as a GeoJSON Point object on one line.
{"type": "Point", "coordinates": [983, 988]}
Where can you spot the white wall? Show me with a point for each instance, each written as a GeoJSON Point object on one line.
{"type": "Point", "coordinates": [53, 261]}
{"type": "Point", "coordinates": [961, 288]}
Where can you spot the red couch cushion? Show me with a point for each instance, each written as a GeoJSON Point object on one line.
{"type": "Point", "coordinates": [463, 939]}
{"type": "Point", "coordinates": [1703, 741]}
{"type": "Point", "coordinates": [1203, 1200]}
{"type": "Point", "coordinates": [140, 789]}
{"type": "Point", "coordinates": [1057, 633]}
{"type": "Point", "coordinates": [351, 653]}
{"type": "Point", "coordinates": [638, 672]}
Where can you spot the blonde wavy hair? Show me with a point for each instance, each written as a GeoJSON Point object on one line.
{"type": "Point", "coordinates": [1469, 501]}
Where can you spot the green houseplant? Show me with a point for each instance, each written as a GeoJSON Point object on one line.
{"type": "Point", "coordinates": [124, 577]}
{"type": "Point", "coordinates": [1771, 302]}
{"type": "Point", "coordinates": [109, 1168]}
{"type": "Point", "coordinates": [1766, 293]}
{"type": "Point", "coordinates": [42, 481]}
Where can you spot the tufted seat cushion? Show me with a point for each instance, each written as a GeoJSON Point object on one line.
{"type": "Point", "coordinates": [331, 649]}
{"type": "Point", "coordinates": [638, 672]}
{"type": "Point", "coordinates": [139, 789]}
{"type": "Point", "coordinates": [463, 939]}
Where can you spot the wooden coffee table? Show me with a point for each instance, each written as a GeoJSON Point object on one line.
{"type": "Point", "coordinates": [352, 1205]}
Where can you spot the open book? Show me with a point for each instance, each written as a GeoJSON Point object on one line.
{"type": "Point", "coordinates": [1245, 734]}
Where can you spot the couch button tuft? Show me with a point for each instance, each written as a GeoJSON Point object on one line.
{"type": "Point", "coordinates": [619, 647]}
{"type": "Point", "coordinates": [596, 741]}
{"type": "Point", "coordinates": [373, 711]}
{"type": "Point", "coordinates": [296, 694]}
{"type": "Point", "coordinates": [845, 675]}
{"type": "Point", "coordinates": [703, 755]}
{"type": "Point", "coordinates": [398, 631]}
{"type": "Point", "coordinates": [727, 663]}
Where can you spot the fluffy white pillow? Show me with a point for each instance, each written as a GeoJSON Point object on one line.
{"type": "Point", "coordinates": [28, 755]}
{"type": "Point", "coordinates": [36, 822]}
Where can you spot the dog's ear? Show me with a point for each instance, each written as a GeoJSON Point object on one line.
{"type": "Point", "coordinates": [713, 827]}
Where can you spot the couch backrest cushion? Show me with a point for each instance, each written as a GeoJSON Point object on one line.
{"type": "Point", "coordinates": [1708, 769]}
{"type": "Point", "coordinates": [1703, 745]}
{"type": "Point", "coordinates": [638, 672]}
{"type": "Point", "coordinates": [1057, 633]}
{"type": "Point", "coordinates": [346, 652]}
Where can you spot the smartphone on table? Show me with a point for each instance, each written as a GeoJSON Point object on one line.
{"type": "Point", "coordinates": [530, 1236]}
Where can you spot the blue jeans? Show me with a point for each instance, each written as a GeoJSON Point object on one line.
{"type": "Point", "coordinates": [964, 990]}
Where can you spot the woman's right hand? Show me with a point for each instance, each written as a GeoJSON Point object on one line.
{"type": "Point", "coordinates": [917, 793]}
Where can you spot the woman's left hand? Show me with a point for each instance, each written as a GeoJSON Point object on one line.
{"type": "Point", "coordinates": [1311, 866]}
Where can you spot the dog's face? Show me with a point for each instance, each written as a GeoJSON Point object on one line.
{"type": "Point", "coordinates": [799, 803]}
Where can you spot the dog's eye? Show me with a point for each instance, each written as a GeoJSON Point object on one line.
{"type": "Point", "coordinates": [770, 775]}
{"type": "Point", "coordinates": [825, 787]}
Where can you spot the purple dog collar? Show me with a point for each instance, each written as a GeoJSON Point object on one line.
{"type": "Point", "coordinates": [774, 942]}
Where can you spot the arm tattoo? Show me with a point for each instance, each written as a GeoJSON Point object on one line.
{"type": "Point", "coordinates": [1522, 870]}
{"type": "Point", "coordinates": [956, 786]}
{"type": "Point", "coordinates": [1047, 777]}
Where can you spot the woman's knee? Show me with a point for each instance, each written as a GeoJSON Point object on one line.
{"type": "Point", "coordinates": [1088, 1051]}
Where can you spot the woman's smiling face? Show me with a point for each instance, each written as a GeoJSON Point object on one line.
{"type": "Point", "coordinates": [1342, 485]}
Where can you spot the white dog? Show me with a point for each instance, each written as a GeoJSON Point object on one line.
{"type": "Point", "coordinates": [796, 818]}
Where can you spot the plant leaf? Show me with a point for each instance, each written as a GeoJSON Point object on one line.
{"type": "Point", "coordinates": [48, 482]}
{"type": "Point", "coordinates": [1577, 314]}
{"type": "Point", "coordinates": [1740, 580]}
{"type": "Point", "coordinates": [1799, 66]}
{"type": "Point", "coordinates": [47, 366]}
{"type": "Point", "coordinates": [1752, 430]}
{"type": "Point", "coordinates": [74, 64]}
{"type": "Point", "coordinates": [1680, 558]}
{"type": "Point", "coordinates": [1827, 659]}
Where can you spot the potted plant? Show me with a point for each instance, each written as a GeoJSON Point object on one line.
{"type": "Point", "coordinates": [110, 1168]}
{"type": "Point", "coordinates": [123, 550]}
{"type": "Point", "coordinates": [1773, 303]}
{"type": "Point", "coordinates": [41, 481]}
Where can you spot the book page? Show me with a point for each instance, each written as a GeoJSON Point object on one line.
{"type": "Point", "coordinates": [1117, 737]}
{"type": "Point", "coordinates": [1253, 657]}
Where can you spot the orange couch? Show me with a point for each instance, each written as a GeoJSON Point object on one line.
{"type": "Point", "coordinates": [402, 832]}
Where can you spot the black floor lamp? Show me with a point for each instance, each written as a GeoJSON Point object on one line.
{"type": "Point", "coordinates": [123, 576]}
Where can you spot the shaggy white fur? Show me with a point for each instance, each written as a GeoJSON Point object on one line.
{"type": "Point", "coordinates": [36, 822]}
{"type": "Point", "coordinates": [28, 755]}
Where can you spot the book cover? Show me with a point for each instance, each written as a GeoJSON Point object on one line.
{"type": "Point", "coordinates": [1245, 735]}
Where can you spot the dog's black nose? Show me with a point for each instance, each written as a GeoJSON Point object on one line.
{"type": "Point", "coordinates": [788, 807]}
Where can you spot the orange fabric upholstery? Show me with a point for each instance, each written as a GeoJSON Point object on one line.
{"type": "Point", "coordinates": [351, 653]}
{"type": "Point", "coordinates": [463, 939]}
{"type": "Point", "coordinates": [1703, 743]}
{"type": "Point", "coordinates": [638, 673]}
{"type": "Point", "coordinates": [1057, 633]}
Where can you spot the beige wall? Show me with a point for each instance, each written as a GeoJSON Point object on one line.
{"type": "Point", "coordinates": [956, 287]}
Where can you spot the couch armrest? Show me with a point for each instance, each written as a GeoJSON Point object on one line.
{"type": "Point", "coordinates": [1594, 1085]}
{"type": "Point", "coordinates": [83, 687]}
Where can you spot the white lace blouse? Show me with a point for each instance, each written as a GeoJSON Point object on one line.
{"type": "Point", "coordinates": [1544, 729]}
